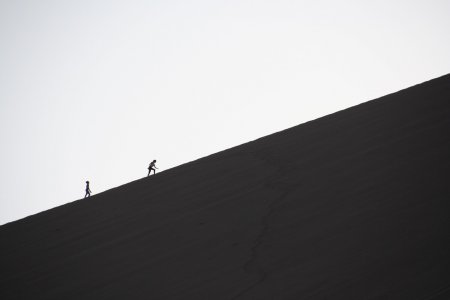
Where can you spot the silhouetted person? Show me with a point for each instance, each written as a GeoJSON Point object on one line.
{"type": "Point", "coordinates": [152, 167]}
{"type": "Point", "coordinates": [88, 190]}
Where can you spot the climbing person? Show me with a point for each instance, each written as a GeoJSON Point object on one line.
{"type": "Point", "coordinates": [152, 167]}
{"type": "Point", "coordinates": [88, 190]}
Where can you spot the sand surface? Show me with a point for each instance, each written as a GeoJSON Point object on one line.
{"type": "Point", "coordinates": [354, 205]}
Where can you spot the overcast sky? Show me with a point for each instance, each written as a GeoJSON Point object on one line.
{"type": "Point", "coordinates": [95, 90]}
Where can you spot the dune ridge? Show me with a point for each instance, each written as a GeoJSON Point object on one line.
{"type": "Point", "coordinates": [353, 205]}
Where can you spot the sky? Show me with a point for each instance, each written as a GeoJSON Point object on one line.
{"type": "Point", "coordinates": [95, 90]}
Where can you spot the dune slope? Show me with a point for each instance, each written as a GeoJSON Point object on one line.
{"type": "Point", "coordinates": [354, 205]}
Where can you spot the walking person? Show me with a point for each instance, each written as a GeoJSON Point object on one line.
{"type": "Point", "coordinates": [88, 190]}
{"type": "Point", "coordinates": [152, 167]}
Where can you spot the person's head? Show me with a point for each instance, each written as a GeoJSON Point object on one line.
{"type": "Point", "coordinates": [154, 160]}
{"type": "Point", "coordinates": [87, 182]}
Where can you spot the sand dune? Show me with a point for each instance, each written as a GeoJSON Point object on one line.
{"type": "Point", "coordinates": [354, 205]}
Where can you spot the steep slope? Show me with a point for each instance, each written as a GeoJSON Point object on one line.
{"type": "Point", "coordinates": [354, 205]}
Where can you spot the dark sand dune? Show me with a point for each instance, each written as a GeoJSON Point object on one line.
{"type": "Point", "coordinates": [355, 205]}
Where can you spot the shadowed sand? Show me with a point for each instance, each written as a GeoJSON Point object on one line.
{"type": "Point", "coordinates": [355, 205]}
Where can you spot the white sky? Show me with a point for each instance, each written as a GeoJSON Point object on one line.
{"type": "Point", "coordinates": [95, 90]}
